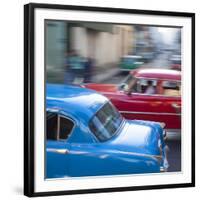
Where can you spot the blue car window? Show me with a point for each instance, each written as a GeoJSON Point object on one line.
{"type": "Point", "coordinates": [58, 127]}
{"type": "Point", "coordinates": [66, 126]}
{"type": "Point", "coordinates": [105, 122]}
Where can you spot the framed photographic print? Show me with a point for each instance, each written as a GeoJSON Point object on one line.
{"type": "Point", "coordinates": [108, 99]}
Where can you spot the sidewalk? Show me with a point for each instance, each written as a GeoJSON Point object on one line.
{"type": "Point", "coordinates": [105, 73]}
{"type": "Point", "coordinates": [99, 75]}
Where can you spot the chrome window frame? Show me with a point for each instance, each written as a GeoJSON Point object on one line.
{"type": "Point", "coordinates": [58, 125]}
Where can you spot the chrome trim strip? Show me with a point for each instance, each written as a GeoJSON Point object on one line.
{"type": "Point", "coordinates": [140, 154]}
{"type": "Point", "coordinates": [150, 113]}
{"type": "Point", "coordinates": [60, 151]}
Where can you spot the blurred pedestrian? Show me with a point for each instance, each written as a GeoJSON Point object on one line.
{"type": "Point", "coordinates": [74, 67]}
{"type": "Point", "coordinates": [88, 70]}
{"type": "Point", "coordinates": [68, 73]}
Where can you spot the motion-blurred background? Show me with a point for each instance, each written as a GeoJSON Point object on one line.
{"type": "Point", "coordinates": [78, 52]}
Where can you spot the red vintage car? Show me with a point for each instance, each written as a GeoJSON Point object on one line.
{"type": "Point", "coordinates": [147, 94]}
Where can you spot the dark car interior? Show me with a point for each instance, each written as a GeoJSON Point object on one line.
{"type": "Point", "coordinates": [58, 127]}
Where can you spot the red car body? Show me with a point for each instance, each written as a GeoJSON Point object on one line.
{"type": "Point", "coordinates": [163, 106]}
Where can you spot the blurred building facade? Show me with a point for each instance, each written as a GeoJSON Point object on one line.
{"type": "Point", "coordinates": [148, 41]}
{"type": "Point", "coordinates": [105, 43]}
{"type": "Point", "coordinates": [55, 44]}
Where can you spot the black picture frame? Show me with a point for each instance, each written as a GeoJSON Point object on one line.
{"type": "Point", "coordinates": [29, 81]}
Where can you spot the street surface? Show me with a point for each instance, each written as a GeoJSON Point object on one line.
{"type": "Point", "coordinates": [174, 155]}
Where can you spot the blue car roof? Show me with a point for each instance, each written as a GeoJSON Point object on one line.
{"type": "Point", "coordinates": [74, 100]}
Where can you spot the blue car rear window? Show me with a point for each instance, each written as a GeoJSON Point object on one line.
{"type": "Point", "coordinates": [105, 122]}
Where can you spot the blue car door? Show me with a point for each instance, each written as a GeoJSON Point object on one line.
{"type": "Point", "coordinates": [57, 159]}
{"type": "Point", "coordinates": [58, 129]}
{"type": "Point", "coordinates": [85, 160]}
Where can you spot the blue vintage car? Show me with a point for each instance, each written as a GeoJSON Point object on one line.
{"type": "Point", "coordinates": [87, 136]}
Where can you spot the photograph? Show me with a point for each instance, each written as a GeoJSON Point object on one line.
{"type": "Point", "coordinates": [113, 99]}
{"type": "Point", "coordinates": [109, 99]}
